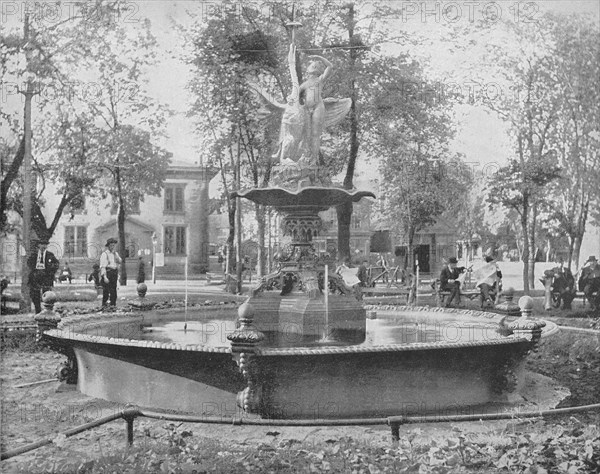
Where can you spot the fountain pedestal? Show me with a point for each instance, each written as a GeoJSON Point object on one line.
{"type": "Point", "coordinates": [290, 303]}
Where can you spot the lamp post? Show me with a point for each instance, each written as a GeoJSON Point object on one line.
{"type": "Point", "coordinates": [154, 257]}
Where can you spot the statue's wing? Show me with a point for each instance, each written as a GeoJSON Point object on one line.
{"type": "Point", "coordinates": [336, 110]}
{"type": "Point", "coordinates": [269, 108]}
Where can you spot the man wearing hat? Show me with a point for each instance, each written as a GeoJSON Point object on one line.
{"type": "Point", "coordinates": [589, 281]}
{"type": "Point", "coordinates": [449, 280]}
{"type": "Point", "coordinates": [109, 274]}
{"type": "Point", "coordinates": [42, 266]}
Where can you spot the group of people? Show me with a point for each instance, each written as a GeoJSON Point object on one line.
{"type": "Point", "coordinates": [43, 266]}
{"type": "Point", "coordinates": [488, 281]}
{"type": "Point", "coordinates": [563, 282]}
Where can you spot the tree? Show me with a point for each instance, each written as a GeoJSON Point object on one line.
{"type": "Point", "coordinates": [225, 58]}
{"type": "Point", "coordinates": [532, 109]}
{"type": "Point", "coordinates": [129, 120]}
{"type": "Point", "coordinates": [576, 133]}
{"type": "Point", "coordinates": [411, 131]}
{"type": "Point", "coordinates": [66, 159]}
{"type": "Point", "coordinates": [37, 59]}
{"type": "Point", "coordinates": [44, 55]}
{"type": "Point", "coordinates": [520, 186]}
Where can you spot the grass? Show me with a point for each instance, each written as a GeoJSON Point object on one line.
{"type": "Point", "coordinates": [572, 447]}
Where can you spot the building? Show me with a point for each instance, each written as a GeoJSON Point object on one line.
{"type": "Point", "coordinates": [173, 226]}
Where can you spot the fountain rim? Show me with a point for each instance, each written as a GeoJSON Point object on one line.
{"type": "Point", "coordinates": [307, 197]}
{"type": "Point", "coordinates": [65, 333]}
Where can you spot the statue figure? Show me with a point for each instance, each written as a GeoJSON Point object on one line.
{"type": "Point", "coordinates": [301, 125]}
{"type": "Point", "coordinates": [313, 102]}
{"type": "Point", "coordinates": [292, 130]}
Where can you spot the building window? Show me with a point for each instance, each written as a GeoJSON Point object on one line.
{"type": "Point", "coordinates": [175, 240]}
{"type": "Point", "coordinates": [355, 222]}
{"type": "Point", "coordinates": [75, 241]}
{"type": "Point", "coordinates": [174, 198]}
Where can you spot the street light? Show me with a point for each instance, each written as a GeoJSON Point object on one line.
{"type": "Point", "coordinates": [154, 240]}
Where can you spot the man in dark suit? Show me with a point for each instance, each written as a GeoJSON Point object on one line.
{"type": "Point", "coordinates": [42, 266]}
{"type": "Point", "coordinates": [589, 282]}
{"type": "Point", "coordinates": [363, 273]}
{"type": "Point", "coordinates": [449, 280]}
{"type": "Point", "coordinates": [564, 284]}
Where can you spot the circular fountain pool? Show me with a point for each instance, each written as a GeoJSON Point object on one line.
{"type": "Point", "coordinates": [412, 360]}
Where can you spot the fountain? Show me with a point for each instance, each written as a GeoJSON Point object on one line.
{"type": "Point", "coordinates": [302, 345]}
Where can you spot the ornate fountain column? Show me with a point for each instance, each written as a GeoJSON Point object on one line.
{"type": "Point", "coordinates": [290, 302]}
{"type": "Point", "coordinates": [244, 342]}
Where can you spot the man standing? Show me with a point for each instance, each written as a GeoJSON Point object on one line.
{"type": "Point", "coordinates": [589, 282]}
{"type": "Point", "coordinates": [449, 280]}
{"type": "Point", "coordinates": [42, 266]}
{"type": "Point", "coordinates": [109, 264]}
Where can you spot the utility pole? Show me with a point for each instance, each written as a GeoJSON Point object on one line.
{"type": "Point", "coordinates": [238, 225]}
{"type": "Point", "coordinates": [27, 185]}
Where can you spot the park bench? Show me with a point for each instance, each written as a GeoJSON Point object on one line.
{"type": "Point", "coordinates": [441, 295]}
{"type": "Point", "coordinates": [557, 300]}
{"type": "Point", "coordinates": [217, 278]}
{"type": "Point", "coordinates": [10, 297]}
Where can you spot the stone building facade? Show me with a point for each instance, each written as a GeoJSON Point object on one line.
{"type": "Point", "coordinates": [174, 225]}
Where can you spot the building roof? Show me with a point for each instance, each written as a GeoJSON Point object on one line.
{"type": "Point", "coordinates": [113, 222]}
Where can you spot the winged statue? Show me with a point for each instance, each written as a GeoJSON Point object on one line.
{"type": "Point", "coordinates": [301, 124]}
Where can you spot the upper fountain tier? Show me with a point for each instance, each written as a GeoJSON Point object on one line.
{"type": "Point", "coordinates": [314, 198]}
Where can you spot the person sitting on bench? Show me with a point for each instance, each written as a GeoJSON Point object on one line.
{"type": "Point", "coordinates": [589, 282]}
{"type": "Point", "coordinates": [563, 283]}
{"type": "Point", "coordinates": [488, 280]}
{"type": "Point", "coordinates": [449, 280]}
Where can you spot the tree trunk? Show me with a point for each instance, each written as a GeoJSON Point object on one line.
{"type": "Point", "coordinates": [410, 256]}
{"type": "Point", "coordinates": [344, 212]}
{"type": "Point", "coordinates": [260, 258]}
{"type": "Point", "coordinates": [570, 258]}
{"type": "Point", "coordinates": [28, 186]}
{"type": "Point", "coordinates": [344, 216]}
{"type": "Point", "coordinates": [532, 248]}
{"type": "Point", "coordinates": [9, 176]}
{"type": "Point", "coordinates": [576, 253]}
{"type": "Point", "coordinates": [230, 284]}
{"type": "Point", "coordinates": [525, 254]}
{"type": "Point", "coordinates": [122, 242]}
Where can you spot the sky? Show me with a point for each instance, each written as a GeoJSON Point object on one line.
{"type": "Point", "coordinates": [481, 137]}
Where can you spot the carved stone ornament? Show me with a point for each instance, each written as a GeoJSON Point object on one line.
{"type": "Point", "coordinates": [243, 343]}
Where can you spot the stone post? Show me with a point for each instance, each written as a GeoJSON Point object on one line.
{"type": "Point", "coordinates": [140, 303]}
{"type": "Point", "coordinates": [509, 307]}
{"type": "Point", "coordinates": [46, 319]}
{"type": "Point", "coordinates": [244, 341]}
{"type": "Point", "coordinates": [527, 326]}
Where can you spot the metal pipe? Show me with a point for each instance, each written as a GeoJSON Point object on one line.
{"type": "Point", "coordinates": [396, 421]}
{"type": "Point", "coordinates": [39, 382]}
{"type": "Point", "coordinates": [129, 421]}
{"type": "Point", "coordinates": [68, 433]}
{"type": "Point", "coordinates": [584, 330]}
{"type": "Point", "coordinates": [263, 421]}
{"type": "Point", "coordinates": [129, 414]}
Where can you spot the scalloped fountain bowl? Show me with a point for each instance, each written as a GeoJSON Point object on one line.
{"type": "Point", "coordinates": [412, 360]}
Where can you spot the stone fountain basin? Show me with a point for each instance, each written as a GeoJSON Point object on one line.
{"type": "Point", "coordinates": [377, 378]}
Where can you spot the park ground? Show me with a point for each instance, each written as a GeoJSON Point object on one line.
{"type": "Point", "coordinates": [570, 443]}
